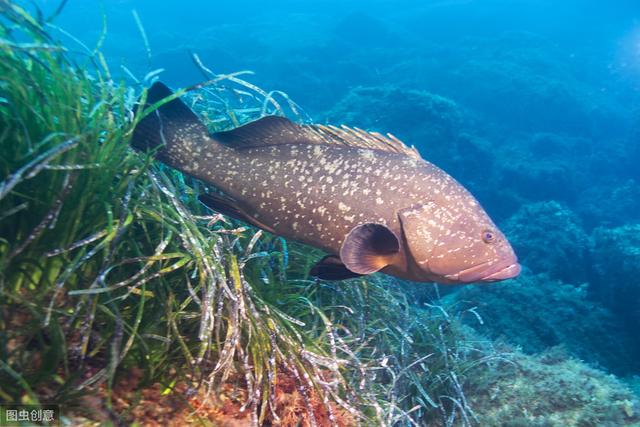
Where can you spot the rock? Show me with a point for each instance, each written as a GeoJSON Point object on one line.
{"type": "Point", "coordinates": [535, 312]}
{"type": "Point", "coordinates": [548, 238]}
{"type": "Point", "coordinates": [615, 256]}
{"type": "Point", "coordinates": [550, 390]}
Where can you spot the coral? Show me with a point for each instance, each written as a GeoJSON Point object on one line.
{"type": "Point", "coordinates": [186, 403]}
{"type": "Point", "coordinates": [291, 408]}
{"type": "Point", "coordinates": [548, 238]}
{"type": "Point", "coordinates": [535, 312]}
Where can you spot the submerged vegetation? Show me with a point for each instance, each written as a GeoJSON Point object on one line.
{"type": "Point", "coordinates": [111, 270]}
{"type": "Point", "coordinates": [123, 299]}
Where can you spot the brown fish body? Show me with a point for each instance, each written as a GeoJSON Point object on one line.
{"type": "Point", "coordinates": [316, 194]}
{"type": "Point", "coordinates": [373, 207]}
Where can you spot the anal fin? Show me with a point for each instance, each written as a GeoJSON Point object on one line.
{"type": "Point", "coordinates": [331, 268]}
{"type": "Point", "coordinates": [227, 206]}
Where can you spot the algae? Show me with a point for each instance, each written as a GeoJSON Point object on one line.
{"type": "Point", "coordinates": [126, 301]}
{"type": "Point", "coordinates": [111, 269]}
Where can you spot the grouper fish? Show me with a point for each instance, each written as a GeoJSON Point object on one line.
{"type": "Point", "coordinates": [368, 200]}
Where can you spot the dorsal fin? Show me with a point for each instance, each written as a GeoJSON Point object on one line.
{"type": "Point", "coordinates": [354, 137]}
{"type": "Point", "coordinates": [275, 130]}
{"type": "Point", "coordinates": [266, 131]}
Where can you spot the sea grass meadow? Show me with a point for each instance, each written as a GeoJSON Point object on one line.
{"type": "Point", "coordinates": [126, 301]}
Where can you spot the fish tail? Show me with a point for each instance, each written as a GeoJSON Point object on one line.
{"type": "Point", "coordinates": [172, 126]}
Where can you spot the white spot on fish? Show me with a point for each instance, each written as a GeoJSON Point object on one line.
{"type": "Point", "coordinates": [367, 154]}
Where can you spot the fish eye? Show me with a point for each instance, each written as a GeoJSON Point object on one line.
{"type": "Point", "coordinates": [488, 236]}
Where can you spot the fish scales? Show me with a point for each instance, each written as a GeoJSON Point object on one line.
{"type": "Point", "coordinates": [368, 200]}
{"type": "Point", "coordinates": [315, 194]}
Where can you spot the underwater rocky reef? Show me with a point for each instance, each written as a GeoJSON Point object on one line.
{"type": "Point", "coordinates": [124, 300]}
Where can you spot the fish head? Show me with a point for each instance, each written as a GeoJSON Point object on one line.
{"type": "Point", "coordinates": [449, 244]}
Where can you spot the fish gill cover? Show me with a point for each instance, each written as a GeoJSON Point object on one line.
{"type": "Point", "coordinates": [124, 300]}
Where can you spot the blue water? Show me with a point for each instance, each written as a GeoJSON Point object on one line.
{"type": "Point", "coordinates": [532, 105]}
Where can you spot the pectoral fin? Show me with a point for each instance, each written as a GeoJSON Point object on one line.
{"type": "Point", "coordinates": [331, 268]}
{"type": "Point", "coordinates": [227, 206]}
{"type": "Point", "coordinates": [369, 248]}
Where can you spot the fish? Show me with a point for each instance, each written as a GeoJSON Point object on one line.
{"type": "Point", "coordinates": [368, 200]}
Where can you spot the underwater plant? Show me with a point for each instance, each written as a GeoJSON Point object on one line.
{"type": "Point", "coordinates": [125, 301]}
{"type": "Point", "coordinates": [120, 293]}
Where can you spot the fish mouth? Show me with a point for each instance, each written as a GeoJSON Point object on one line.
{"type": "Point", "coordinates": [508, 272]}
{"type": "Point", "coordinates": [487, 272]}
